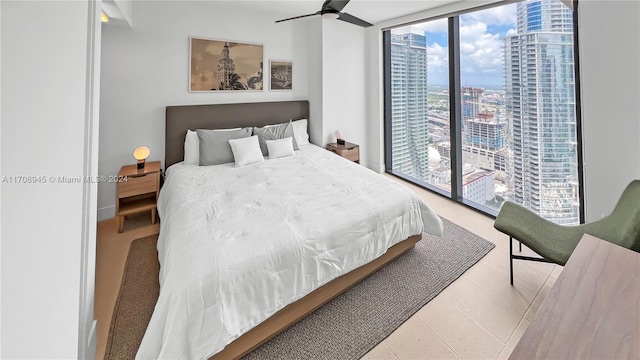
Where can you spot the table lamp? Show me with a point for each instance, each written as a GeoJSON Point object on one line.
{"type": "Point", "coordinates": [141, 153]}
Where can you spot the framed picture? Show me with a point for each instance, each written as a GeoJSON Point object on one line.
{"type": "Point", "coordinates": [281, 75]}
{"type": "Point", "coordinates": [222, 65]}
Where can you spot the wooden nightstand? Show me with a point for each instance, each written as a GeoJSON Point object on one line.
{"type": "Point", "coordinates": [348, 150]}
{"type": "Point", "coordinates": [137, 191]}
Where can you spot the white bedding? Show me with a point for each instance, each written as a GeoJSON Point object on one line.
{"type": "Point", "coordinates": [238, 244]}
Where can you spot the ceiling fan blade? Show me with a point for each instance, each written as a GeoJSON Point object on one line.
{"type": "Point", "coordinates": [354, 20]}
{"type": "Point", "coordinates": [336, 5]}
{"type": "Point", "coordinates": [298, 17]}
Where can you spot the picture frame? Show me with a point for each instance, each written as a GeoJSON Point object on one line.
{"type": "Point", "coordinates": [280, 75]}
{"type": "Point", "coordinates": [217, 65]}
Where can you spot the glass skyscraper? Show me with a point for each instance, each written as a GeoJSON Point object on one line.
{"type": "Point", "coordinates": [409, 126]}
{"type": "Point", "coordinates": [540, 105]}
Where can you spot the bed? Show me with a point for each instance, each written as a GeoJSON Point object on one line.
{"type": "Point", "coordinates": [246, 252]}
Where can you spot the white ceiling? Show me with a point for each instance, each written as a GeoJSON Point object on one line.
{"type": "Point", "coordinates": [373, 11]}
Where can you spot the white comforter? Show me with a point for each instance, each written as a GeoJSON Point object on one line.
{"type": "Point", "coordinates": [238, 244]}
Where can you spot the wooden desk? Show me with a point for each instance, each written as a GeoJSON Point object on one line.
{"type": "Point", "coordinates": [593, 309]}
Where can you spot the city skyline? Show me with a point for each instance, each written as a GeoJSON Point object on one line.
{"type": "Point", "coordinates": [518, 107]}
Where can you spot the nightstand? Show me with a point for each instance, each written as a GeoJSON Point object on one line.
{"type": "Point", "coordinates": [348, 150]}
{"type": "Point", "coordinates": [137, 191]}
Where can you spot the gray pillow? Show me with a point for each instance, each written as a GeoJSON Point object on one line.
{"type": "Point", "coordinates": [214, 145]}
{"type": "Point", "coordinates": [274, 132]}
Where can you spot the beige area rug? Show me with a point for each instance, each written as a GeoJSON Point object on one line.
{"type": "Point", "coordinates": [345, 328]}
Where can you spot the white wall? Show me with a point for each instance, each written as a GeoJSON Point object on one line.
{"type": "Point", "coordinates": [314, 51]}
{"type": "Point", "coordinates": [146, 68]}
{"type": "Point", "coordinates": [610, 74]}
{"type": "Point", "coordinates": [344, 84]}
{"type": "Point", "coordinates": [45, 235]}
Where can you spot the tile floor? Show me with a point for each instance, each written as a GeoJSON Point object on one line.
{"type": "Point", "coordinates": [479, 316]}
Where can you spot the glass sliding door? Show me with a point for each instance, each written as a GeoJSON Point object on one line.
{"type": "Point", "coordinates": [516, 128]}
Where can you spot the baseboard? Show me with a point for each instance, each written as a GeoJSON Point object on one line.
{"type": "Point", "coordinates": [106, 213]}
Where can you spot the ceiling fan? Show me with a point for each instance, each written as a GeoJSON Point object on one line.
{"type": "Point", "coordinates": [332, 9]}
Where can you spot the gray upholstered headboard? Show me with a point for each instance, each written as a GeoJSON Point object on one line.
{"type": "Point", "coordinates": [224, 116]}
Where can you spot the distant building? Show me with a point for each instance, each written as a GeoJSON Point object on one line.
{"type": "Point", "coordinates": [540, 103]}
{"type": "Point", "coordinates": [483, 131]}
{"type": "Point", "coordinates": [470, 102]}
{"type": "Point", "coordinates": [409, 124]}
{"type": "Point", "coordinates": [479, 186]}
{"type": "Point", "coordinates": [484, 138]}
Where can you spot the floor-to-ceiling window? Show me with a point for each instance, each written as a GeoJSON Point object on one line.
{"type": "Point", "coordinates": [482, 107]}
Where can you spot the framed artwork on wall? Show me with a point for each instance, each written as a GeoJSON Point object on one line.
{"type": "Point", "coordinates": [281, 75]}
{"type": "Point", "coordinates": [222, 65]}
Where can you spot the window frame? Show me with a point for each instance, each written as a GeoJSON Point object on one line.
{"type": "Point", "coordinates": [455, 115]}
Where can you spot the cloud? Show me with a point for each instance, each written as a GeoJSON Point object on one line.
{"type": "Point", "coordinates": [481, 44]}
{"type": "Point", "coordinates": [481, 57]}
{"type": "Point", "coordinates": [438, 58]}
{"type": "Point", "coordinates": [480, 50]}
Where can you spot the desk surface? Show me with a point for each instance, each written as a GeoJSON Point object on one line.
{"type": "Point", "coordinates": [593, 309]}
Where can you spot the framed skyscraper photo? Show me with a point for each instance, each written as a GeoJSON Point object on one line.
{"type": "Point", "coordinates": [223, 65]}
{"type": "Point", "coordinates": [281, 75]}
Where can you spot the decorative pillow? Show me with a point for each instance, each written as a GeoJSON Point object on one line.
{"type": "Point", "coordinates": [191, 148]}
{"type": "Point", "coordinates": [300, 131]}
{"type": "Point", "coordinates": [274, 132]}
{"type": "Point", "coordinates": [214, 145]}
{"type": "Point", "coordinates": [280, 148]}
{"type": "Point", "coordinates": [246, 150]}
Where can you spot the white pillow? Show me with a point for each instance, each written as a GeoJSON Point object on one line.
{"type": "Point", "coordinates": [191, 148]}
{"type": "Point", "coordinates": [300, 131]}
{"type": "Point", "coordinates": [280, 148]}
{"type": "Point", "coordinates": [246, 150]}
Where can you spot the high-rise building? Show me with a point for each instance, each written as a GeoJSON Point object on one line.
{"type": "Point", "coordinates": [540, 104]}
{"type": "Point", "coordinates": [409, 124]}
{"type": "Point", "coordinates": [470, 102]}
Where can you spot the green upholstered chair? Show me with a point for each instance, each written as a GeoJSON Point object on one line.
{"type": "Point", "coordinates": [555, 243]}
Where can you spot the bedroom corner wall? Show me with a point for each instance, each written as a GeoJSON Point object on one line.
{"type": "Point", "coordinates": [610, 88]}
{"type": "Point", "coordinates": [344, 84]}
{"type": "Point", "coordinates": [314, 51]}
{"type": "Point", "coordinates": [146, 68]}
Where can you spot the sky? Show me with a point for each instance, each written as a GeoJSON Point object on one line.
{"type": "Point", "coordinates": [482, 36]}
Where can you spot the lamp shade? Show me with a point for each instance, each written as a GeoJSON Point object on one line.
{"type": "Point", "coordinates": [338, 134]}
{"type": "Point", "coordinates": [141, 152]}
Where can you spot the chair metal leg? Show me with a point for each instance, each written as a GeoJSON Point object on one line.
{"type": "Point", "coordinates": [511, 259]}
